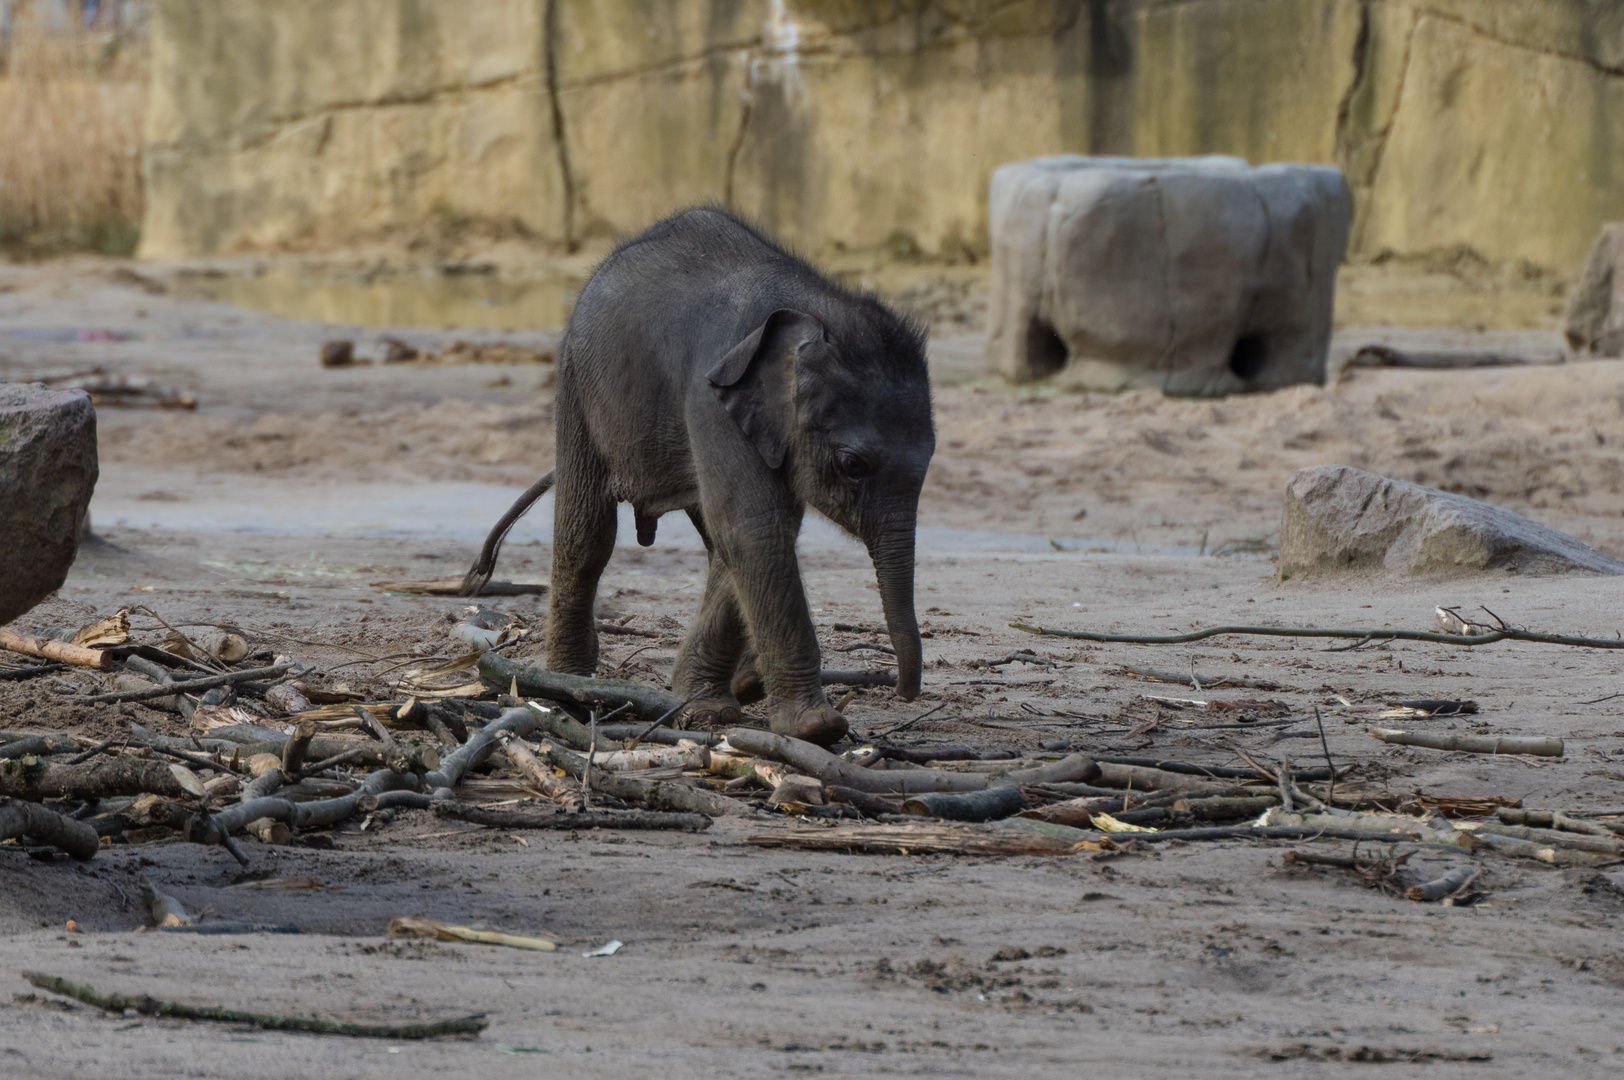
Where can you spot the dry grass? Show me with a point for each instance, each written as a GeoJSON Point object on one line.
{"type": "Point", "coordinates": [71, 111]}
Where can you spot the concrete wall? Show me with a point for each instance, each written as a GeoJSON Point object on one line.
{"type": "Point", "coordinates": [851, 124]}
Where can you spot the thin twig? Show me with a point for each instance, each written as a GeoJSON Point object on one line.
{"type": "Point", "coordinates": [1330, 790]}
{"type": "Point", "coordinates": [1507, 634]}
{"type": "Point", "coordinates": [142, 1003]}
{"type": "Point", "coordinates": [893, 729]}
{"type": "Point", "coordinates": [668, 714]}
{"type": "Point", "coordinates": [246, 675]}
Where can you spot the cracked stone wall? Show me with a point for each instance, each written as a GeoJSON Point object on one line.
{"type": "Point", "coordinates": [1496, 125]}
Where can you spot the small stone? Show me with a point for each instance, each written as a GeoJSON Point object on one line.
{"type": "Point", "coordinates": [1338, 518]}
{"type": "Point", "coordinates": [338, 353]}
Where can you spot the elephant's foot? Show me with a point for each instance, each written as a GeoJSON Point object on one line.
{"type": "Point", "coordinates": [818, 724]}
{"type": "Point", "coordinates": [712, 712]}
{"type": "Point", "coordinates": [747, 687]}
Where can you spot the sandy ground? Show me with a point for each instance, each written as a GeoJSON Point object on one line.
{"type": "Point", "coordinates": [291, 489]}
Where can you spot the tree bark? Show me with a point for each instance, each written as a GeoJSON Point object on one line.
{"type": "Point", "coordinates": [43, 826]}
{"type": "Point", "coordinates": [98, 778]}
{"type": "Point", "coordinates": [1000, 801]}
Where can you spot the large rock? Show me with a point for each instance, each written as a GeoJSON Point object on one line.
{"type": "Point", "coordinates": [1595, 315]}
{"type": "Point", "coordinates": [1338, 518]}
{"type": "Point", "coordinates": [47, 474]}
{"type": "Point", "coordinates": [1192, 275]}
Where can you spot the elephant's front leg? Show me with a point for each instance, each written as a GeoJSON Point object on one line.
{"type": "Point", "coordinates": [711, 651]}
{"type": "Point", "coordinates": [766, 578]}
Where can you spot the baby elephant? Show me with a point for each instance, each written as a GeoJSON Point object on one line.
{"type": "Point", "coordinates": [708, 371]}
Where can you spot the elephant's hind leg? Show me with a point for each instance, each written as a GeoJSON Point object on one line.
{"type": "Point", "coordinates": [583, 541]}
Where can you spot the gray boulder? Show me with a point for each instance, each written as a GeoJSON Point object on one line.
{"type": "Point", "coordinates": [1197, 276]}
{"type": "Point", "coordinates": [1338, 518]}
{"type": "Point", "coordinates": [47, 474]}
{"type": "Point", "coordinates": [1595, 315]}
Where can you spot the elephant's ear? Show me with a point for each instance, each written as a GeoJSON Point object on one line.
{"type": "Point", "coordinates": [756, 380]}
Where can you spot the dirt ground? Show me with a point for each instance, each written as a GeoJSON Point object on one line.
{"type": "Point", "coordinates": [291, 489]}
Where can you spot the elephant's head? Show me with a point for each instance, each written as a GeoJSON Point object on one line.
{"type": "Point", "coordinates": [840, 402]}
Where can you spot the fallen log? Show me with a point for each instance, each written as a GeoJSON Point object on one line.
{"type": "Point", "coordinates": [43, 826]}
{"type": "Point", "coordinates": [1221, 808]}
{"type": "Point", "coordinates": [612, 736]}
{"type": "Point", "coordinates": [61, 652]}
{"type": "Point", "coordinates": [1016, 836]}
{"type": "Point", "coordinates": [1072, 769]}
{"type": "Point", "coordinates": [216, 827]}
{"type": "Point", "coordinates": [993, 804]}
{"type": "Point", "coordinates": [1550, 819]}
{"type": "Point", "coordinates": [1557, 838]}
{"type": "Point", "coordinates": [869, 805]}
{"type": "Point", "coordinates": [561, 819]}
{"type": "Point", "coordinates": [98, 778]}
{"type": "Point", "coordinates": [523, 759]}
{"type": "Point", "coordinates": [191, 686]}
{"type": "Point", "coordinates": [1078, 813]}
{"type": "Point", "coordinates": [1141, 778]}
{"type": "Point", "coordinates": [1537, 745]}
{"type": "Point", "coordinates": [29, 671]}
{"type": "Point", "coordinates": [645, 702]}
{"type": "Point", "coordinates": [1438, 888]}
{"type": "Point", "coordinates": [942, 753]}
{"type": "Point", "coordinates": [655, 794]}
{"type": "Point", "coordinates": [817, 762]}
{"type": "Point", "coordinates": [149, 1006]}
{"type": "Point", "coordinates": [1277, 832]}
{"type": "Point", "coordinates": [1546, 853]}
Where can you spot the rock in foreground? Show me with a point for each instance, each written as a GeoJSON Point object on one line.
{"type": "Point", "coordinates": [47, 474]}
{"type": "Point", "coordinates": [1340, 518]}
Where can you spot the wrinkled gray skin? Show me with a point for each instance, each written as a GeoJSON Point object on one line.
{"type": "Point", "coordinates": [705, 370]}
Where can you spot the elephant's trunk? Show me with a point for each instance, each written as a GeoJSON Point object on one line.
{"type": "Point", "coordinates": [893, 555]}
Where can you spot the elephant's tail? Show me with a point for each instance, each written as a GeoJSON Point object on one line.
{"type": "Point", "coordinates": [479, 575]}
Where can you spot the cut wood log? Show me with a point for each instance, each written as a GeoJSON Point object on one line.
{"type": "Point", "coordinates": [562, 819]}
{"type": "Point", "coordinates": [611, 736]}
{"type": "Point", "coordinates": [1002, 838]}
{"type": "Point", "coordinates": [60, 651]}
{"type": "Point", "coordinates": [1438, 888]}
{"type": "Point", "coordinates": [1221, 808]}
{"type": "Point", "coordinates": [1078, 813]}
{"type": "Point", "coordinates": [165, 910]}
{"type": "Point", "coordinates": [1140, 778]}
{"type": "Point", "coordinates": [818, 762]}
{"type": "Point", "coordinates": [1073, 769]}
{"type": "Point", "coordinates": [1610, 845]}
{"type": "Point", "coordinates": [298, 744]}
{"type": "Point", "coordinates": [150, 1006]}
{"type": "Point", "coordinates": [44, 826]}
{"type": "Point", "coordinates": [646, 702]}
{"type": "Point", "coordinates": [691, 756]}
{"type": "Point", "coordinates": [993, 804]}
{"type": "Point", "coordinates": [99, 778]}
{"type": "Point", "coordinates": [870, 805]}
{"type": "Point", "coordinates": [654, 794]}
{"type": "Point", "coordinates": [1546, 853]}
{"type": "Point", "coordinates": [524, 759]}
{"type": "Point", "coordinates": [1537, 745]}
{"type": "Point", "coordinates": [1543, 819]}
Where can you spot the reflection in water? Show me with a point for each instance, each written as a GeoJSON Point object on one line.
{"type": "Point", "coordinates": [405, 299]}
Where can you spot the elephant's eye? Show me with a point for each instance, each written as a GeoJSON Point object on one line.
{"type": "Point", "coordinates": [853, 466]}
